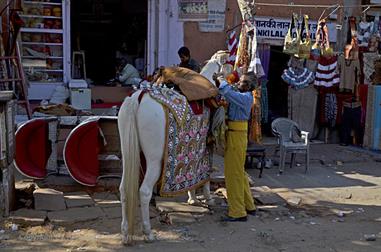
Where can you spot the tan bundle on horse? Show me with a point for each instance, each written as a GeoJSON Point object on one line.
{"type": "Point", "coordinates": [193, 85]}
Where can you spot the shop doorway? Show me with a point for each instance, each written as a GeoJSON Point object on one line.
{"type": "Point", "coordinates": [106, 30]}
{"type": "Point", "coordinates": [277, 88]}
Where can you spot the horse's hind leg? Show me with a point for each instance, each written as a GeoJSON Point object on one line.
{"type": "Point", "coordinates": [151, 128]}
{"type": "Point", "coordinates": [124, 225]}
{"type": "Point", "coordinates": [150, 179]}
{"type": "Point", "coordinates": [206, 191]}
{"type": "Point", "coordinates": [192, 198]}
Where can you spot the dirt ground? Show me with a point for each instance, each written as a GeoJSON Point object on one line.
{"type": "Point", "coordinates": [336, 206]}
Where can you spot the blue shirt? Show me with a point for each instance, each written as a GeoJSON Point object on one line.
{"type": "Point", "coordinates": [239, 103]}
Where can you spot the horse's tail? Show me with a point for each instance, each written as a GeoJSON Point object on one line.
{"type": "Point", "coordinates": [130, 148]}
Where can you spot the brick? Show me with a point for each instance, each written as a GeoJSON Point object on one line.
{"type": "Point", "coordinates": [78, 199]}
{"type": "Point", "coordinates": [48, 199]}
{"type": "Point", "coordinates": [179, 218]}
{"type": "Point", "coordinates": [168, 206]}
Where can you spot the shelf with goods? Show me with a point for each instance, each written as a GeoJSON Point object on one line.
{"type": "Point", "coordinates": [44, 3]}
{"type": "Point", "coordinates": [43, 45]}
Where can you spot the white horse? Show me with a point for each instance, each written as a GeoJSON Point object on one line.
{"type": "Point", "coordinates": [142, 128]}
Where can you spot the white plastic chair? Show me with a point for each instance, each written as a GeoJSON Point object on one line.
{"type": "Point", "coordinates": [291, 140]}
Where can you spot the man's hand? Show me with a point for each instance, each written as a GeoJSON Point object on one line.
{"type": "Point", "coordinates": [218, 78]}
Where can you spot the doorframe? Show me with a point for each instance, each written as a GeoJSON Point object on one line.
{"type": "Point", "coordinates": [165, 34]}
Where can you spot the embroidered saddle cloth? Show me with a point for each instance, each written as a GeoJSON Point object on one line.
{"type": "Point", "coordinates": [187, 160]}
{"type": "Point", "coordinates": [173, 101]}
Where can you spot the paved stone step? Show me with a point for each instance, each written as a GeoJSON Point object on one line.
{"type": "Point", "coordinates": [48, 199]}
{"type": "Point", "coordinates": [28, 217]}
{"type": "Point", "coordinates": [74, 215]}
{"type": "Point", "coordinates": [167, 206]}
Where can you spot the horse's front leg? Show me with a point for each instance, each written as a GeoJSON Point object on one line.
{"type": "Point", "coordinates": [192, 199]}
{"type": "Point", "coordinates": [150, 179]}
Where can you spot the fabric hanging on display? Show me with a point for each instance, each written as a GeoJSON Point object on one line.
{"type": "Point", "coordinates": [330, 109]}
{"type": "Point", "coordinates": [255, 133]}
{"type": "Point", "coordinates": [232, 47]}
{"type": "Point", "coordinates": [264, 55]}
{"type": "Point", "coordinates": [242, 59]}
{"type": "Point", "coordinates": [369, 59]}
{"type": "Point", "coordinates": [302, 104]}
{"type": "Point", "coordinates": [365, 30]}
{"type": "Point", "coordinates": [326, 74]}
{"type": "Point", "coordinates": [349, 72]}
{"type": "Point", "coordinates": [255, 64]}
{"type": "Point", "coordinates": [264, 100]}
{"type": "Point", "coordinates": [327, 105]}
{"type": "Point", "coordinates": [298, 78]}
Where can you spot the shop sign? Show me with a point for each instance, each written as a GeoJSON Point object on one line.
{"type": "Point", "coordinates": [216, 17]}
{"type": "Point", "coordinates": [277, 28]}
{"type": "Point", "coordinates": [193, 10]}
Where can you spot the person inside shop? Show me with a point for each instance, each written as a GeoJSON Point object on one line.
{"type": "Point", "coordinates": [240, 100]}
{"type": "Point", "coordinates": [187, 61]}
{"type": "Point", "coordinates": [126, 73]}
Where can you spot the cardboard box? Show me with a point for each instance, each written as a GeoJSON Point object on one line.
{"type": "Point", "coordinates": [80, 98]}
{"type": "Point", "coordinates": [78, 83]}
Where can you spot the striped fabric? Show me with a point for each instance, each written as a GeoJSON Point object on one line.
{"type": "Point", "coordinates": [232, 47]}
{"type": "Point", "coordinates": [326, 74]}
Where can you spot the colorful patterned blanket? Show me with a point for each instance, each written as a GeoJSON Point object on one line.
{"type": "Point", "coordinates": [187, 160]}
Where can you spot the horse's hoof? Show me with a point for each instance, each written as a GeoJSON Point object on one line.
{"type": "Point", "coordinates": [149, 238]}
{"type": "Point", "coordinates": [127, 240]}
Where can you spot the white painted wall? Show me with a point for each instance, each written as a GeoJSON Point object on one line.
{"type": "Point", "coordinates": [165, 34]}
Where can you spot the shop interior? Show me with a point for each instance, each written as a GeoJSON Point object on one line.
{"type": "Point", "coordinates": [277, 89]}
{"type": "Point", "coordinates": [105, 31]}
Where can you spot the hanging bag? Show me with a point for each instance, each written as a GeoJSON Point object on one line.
{"type": "Point", "coordinates": [315, 49]}
{"type": "Point", "coordinates": [291, 45]}
{"type": "Point", "coordinates": [326, 50]}
{"type": "Point", "coordinates": [354, 52]}
{"type": "Point", "coordinates": [305, 43]}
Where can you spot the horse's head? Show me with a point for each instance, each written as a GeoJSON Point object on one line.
{"type": "Point", "coordinates": [221, 57]}
{"type": "Point", "coordinates": [217, 64]}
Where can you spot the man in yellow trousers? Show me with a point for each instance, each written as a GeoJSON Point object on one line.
{"type": "Point", "coordinates": [240, 99]}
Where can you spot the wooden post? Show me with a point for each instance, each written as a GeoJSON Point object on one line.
{"type": "Point", "coordinates": [7, 131]}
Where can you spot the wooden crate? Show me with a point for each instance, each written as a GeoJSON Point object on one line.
{"type": "Point", "coordinates": [7, 146]}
